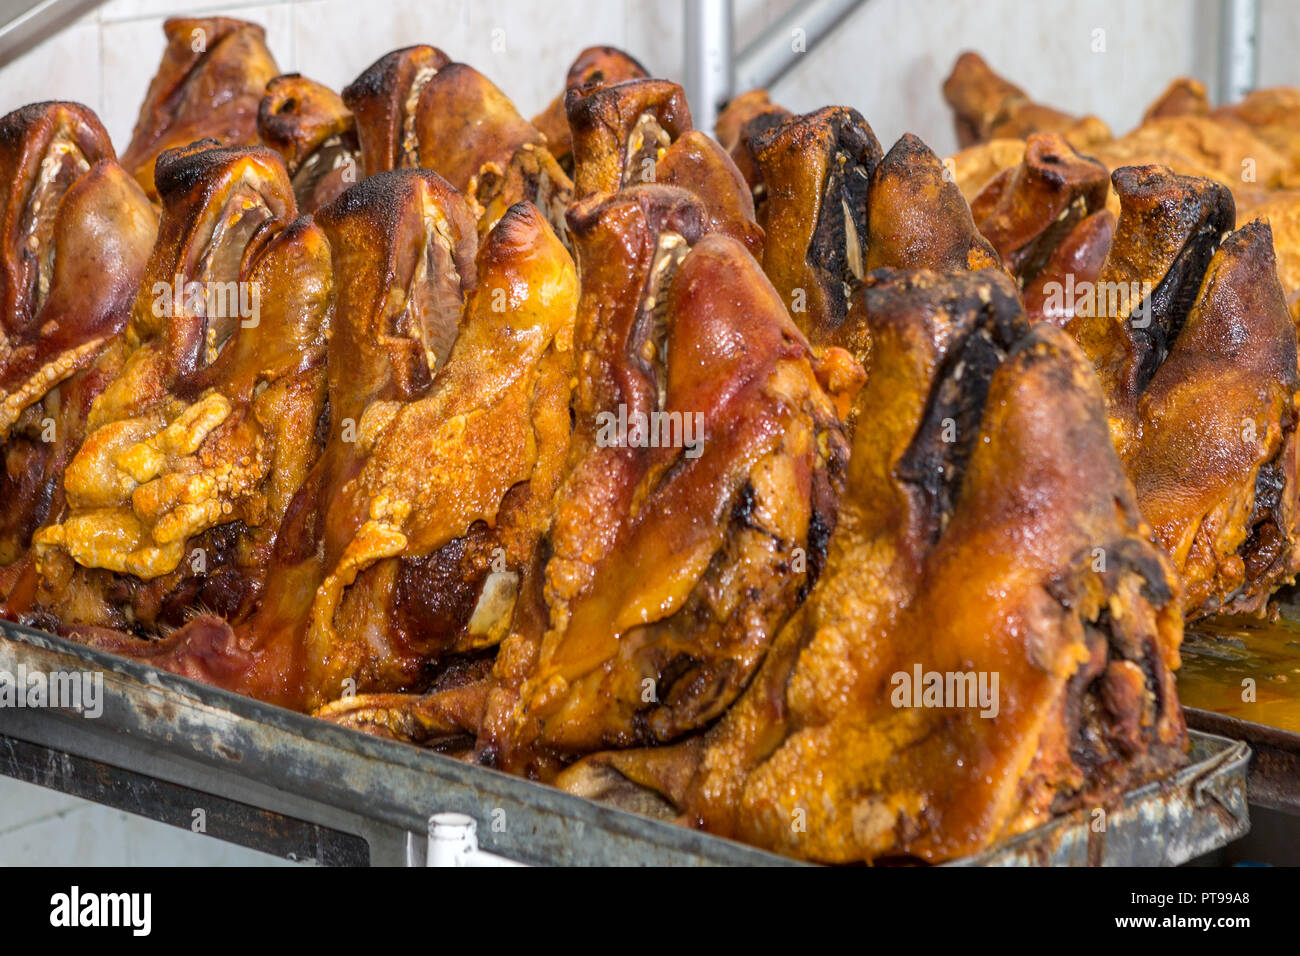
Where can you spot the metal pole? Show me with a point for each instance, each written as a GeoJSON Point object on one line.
{"type": "Point", "coordinates": [28, 22]}
{"type": "Point", "coordinates": [779, 48]}
{"type": "Point", "coordinates": [708, 66]}
{"type": "Point", "coordinates": [1238, 49]}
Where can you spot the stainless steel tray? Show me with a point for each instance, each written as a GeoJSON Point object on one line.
{"type": "Point", "coordinates": [269, 778]}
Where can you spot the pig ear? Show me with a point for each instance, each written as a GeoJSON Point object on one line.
{"type": "Point", "coordinates": [1205, 458]}
{"type": "Point", "coordinates": [212, 77]}
{"type": "Point", "coordinates": [651, 781]}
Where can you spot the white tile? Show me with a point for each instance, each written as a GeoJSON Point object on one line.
{"type": "Point", "coordinates": [132, 50]}
{"type": "Point", "coordinates": [337, 39]}
{"type": "Point", "coordinates": [40, 827]}
{"type": "Point", "coordinates": [64, 67]}
{"type": "Point", "coordinates": [22, 804]}
{"type": "Point", "coordinates": [149, 843]}
{"type": "Point", "coordinates": [1280, 21]}
{"type": "Point", "coordinates": [526, 49]}
{"type": "Point", "coordinates": [115, 10]}
{"type": "Point", "coordinates": [889, 59]}
{"type": "Point", "coordinates": [653, 33]}
{"type": "Point", "coordinates": [79, 837]}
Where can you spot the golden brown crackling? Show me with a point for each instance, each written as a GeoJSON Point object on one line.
{"type": "Point", "coordinates": [213, 198]}
{"type": "Point", "coordinates": [381, 100]}
{"type": "Point", "coordinates": [1026, 211]}
{"type": "Point", "coordinates": [368, 494]}
{"type": "Point", "coordinates": [816, 738]}
{"type": "Point", "coordinates": [229, 443]}
{"type": "Point", "coordinates": [1270, 114]}
{"type": "Point", "coordinates": [663, 327]}
{"type": "Point", "coordinates": [298, 115]}
{"type": "Point", "coordinates": [604, 120]}
{"type": "Point", "coordinates": [918, 217]}
{"type": "Point", "coordinates": [1229, 150]}
{"type": "Point", "coordinates": [594, 67]}
{"type": "Point", "coordinates": [487, 425]}
{"type": "Point", "coordinates": [823, 162]}
{"type": "Point", "coordinates": [209, 92]}
{"type": "Point", "coordinates": [1183, 96]}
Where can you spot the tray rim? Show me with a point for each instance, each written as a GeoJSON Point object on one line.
{"type": "Point", "coordinates": [677, 844]}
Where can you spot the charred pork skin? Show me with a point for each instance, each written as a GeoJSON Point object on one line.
{"type": "Point", "coordinates": [744, 119]}
{"type": "Point", "coordinates": [430, 493]}
{"type": "Point", "coordinates": [816, 170]}
{"type": "Point", "coordinates": [209, 85]}
{"type": "Point", "coordinates": [672, 556]}
{"type": "Point", "coordinates": [76, 235]}
{"type": "Point", "coordinates": [1182, 306]}
{"type": "Point", "coordinates": [937, 568]}
{"type": "Point", "coordinates": [316, 136]}
{"type": "Point", "coordinates": [195, 448]}
{"type": "Point", "coordinates": [425, 547]}
{"type": "Point", "coordinates": [639, 132]}
{"type": "Point", "coordinates": [417, 109]}
{"type": "Point", "coordinates": [595, 67]}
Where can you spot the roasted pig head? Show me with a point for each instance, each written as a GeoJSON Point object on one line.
{"type": "Point", "coordinates": [918, 217]}
{"type": "Point", "coordinates": [426, 542]}
{"type": "Point", "coordinates": [739, 125]}
{"type": "Point", "coordinates": [471, 134]}
{"type": "Point", "coordinates": [211, 79]}
{"type": "Point", "coordinates": [399, 261]}
{"type": "Point", "coordinates": [384, 99]}
{"type": "Point", "coordinates": [415, 108]}
{"type": "Point", "coordinates": [76, 236]}
{"type": "Point", "coordinates": [639, 132]}
{"type": "Point", "coordinates": [1217, 478]}
{"type": "Point", "coordinates": [1047, 219]}
{"type": "Point", "coordinates": [816, 171]}
{"type": "Point", "coordinates": [1196, 351]}
{"type": "Point", "coordinates": [595, 67]}
{"type": "Point", "coordinates": [985, 106]}
{"type": "Point", "coordinates": [1028, 210]}
{"type": "Point", "coordinates": [195, 449]}
{"type": "Point", "coordinates": [316, 136]}
{"type": "Point", "coordinates": [700, 487]}
{"type": "Point", "coordinates": [965, 667]}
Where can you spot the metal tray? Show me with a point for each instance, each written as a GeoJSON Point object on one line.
{"type": "Point", "coordinates": [1273, 778]}
{"type": "Point", "coordinates": [269, 778]}
{"type": "Point", "coordinates": [1217, 656]}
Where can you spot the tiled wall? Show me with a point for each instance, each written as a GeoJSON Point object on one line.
{"type": "Point", "coordinates": [887, 60]}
